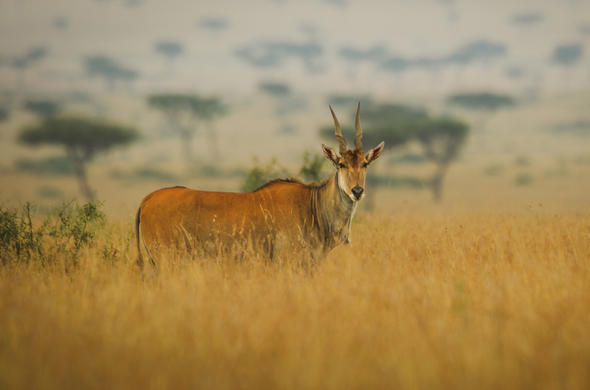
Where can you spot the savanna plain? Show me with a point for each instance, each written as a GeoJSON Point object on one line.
{"type": "Point", "coordinates": [489, 290]}
{"type": "Point", "coordinates": [453, 300]}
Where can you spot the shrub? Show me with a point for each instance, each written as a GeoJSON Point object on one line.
{"type": "Point", "coordinates": [522, 161]}
{"type": "Point", "coordinates": [313, 163]}
{"type": "Point", "coordinates": [260, 173]}
{"type": "Point", "coordinates": [493, 170]}
{"type": "Point", "coordinates": [524, 179]}
{"type": "Point", "coordinates": [59, 236]}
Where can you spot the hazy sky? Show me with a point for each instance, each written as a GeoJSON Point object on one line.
{"type": "Point", "coordinates": [313, 45]}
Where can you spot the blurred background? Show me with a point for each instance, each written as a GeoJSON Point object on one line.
{"type": "Point", "coordinates": [482, 105]}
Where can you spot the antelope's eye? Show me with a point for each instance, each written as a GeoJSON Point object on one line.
{"type": "Point", "coordinates": [340, 165]}
{"type": "Point", "coordinates": [365, 165]}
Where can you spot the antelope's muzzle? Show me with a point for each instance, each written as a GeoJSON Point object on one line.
{"type": "Point", "coordinates": [357, 191]}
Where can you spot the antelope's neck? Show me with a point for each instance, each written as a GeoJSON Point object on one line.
{"type": "Point", "coordinates": [337, 211]}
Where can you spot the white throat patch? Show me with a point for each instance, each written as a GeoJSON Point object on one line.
{"type": "Point", "coordinates": [349, 227]}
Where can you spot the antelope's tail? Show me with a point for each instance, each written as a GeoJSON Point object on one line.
{"type": "Point", "coordinates": [138, 238]}
{"type": "Point", "coordinates": [139, 241]}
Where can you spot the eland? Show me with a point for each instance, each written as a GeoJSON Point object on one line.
{"type": "Point", "coordinates": [284, 217]}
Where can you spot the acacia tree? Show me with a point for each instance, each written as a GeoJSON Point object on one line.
{"type": "Point", "coordinates": [441, 140]}
{"type": "Point", "coordinates": [82, 139]}
{"type": "Point", "coordinates": [567, 54]}
{"type": "Point", "coordinates": [109, 70]}
{"type": "Point", "coordinates": [3, 114]}
{"type": "Point", "coordinates": [282, 95]}
{"type": "Point", "coordinates": [183, 111]}
{"type": "Point", "coordinates": [170, 50]}
{"type": "Point", "coordinates": [23, 62]}
{"type": "Point", "coordinates": [42, 108]}
{"type": "Point", "coordinates": [484, 103]}
{"type": "Point", "coordinates": [487, 101]}
{"type": "Point", "coordinates": [209, 110]}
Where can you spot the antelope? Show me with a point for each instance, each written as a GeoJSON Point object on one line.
{"type": "Point", "coordinates": [282, 217]}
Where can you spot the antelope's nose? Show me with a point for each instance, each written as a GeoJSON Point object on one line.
{"type": "Point", "coordinates": [357, 191]}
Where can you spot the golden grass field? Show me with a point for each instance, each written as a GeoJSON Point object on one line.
{"type": "Point", "coordinates": [470, 300]}
{"type": "Point", "coordinates": [488, 290]}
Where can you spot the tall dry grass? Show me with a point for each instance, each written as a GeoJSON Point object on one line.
{"type": "Point", "coordinates": [471, 301]}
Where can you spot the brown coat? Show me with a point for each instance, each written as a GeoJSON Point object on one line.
{"type": "Point", "coordinates": [282, 217]}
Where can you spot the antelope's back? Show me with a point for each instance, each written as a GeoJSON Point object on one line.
{"type": "Point", "coordinates": [185, 219]}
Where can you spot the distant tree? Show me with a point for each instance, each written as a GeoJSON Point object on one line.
{"type": "Point", "coordinates": [485, 104]}
{"type": "Point", "coordinates": [441, 140]}
{"type": "Point", "coordinates": [179, 110]}
{"type": "Point", "coordinates": [480, 50]}
{"type": "Point", "coordinates": [32, 56]}
{"type": "Point", "coordinates": [337, 3]}
{"type": "Point", "coordinates": [285, 102]}
{"type": "Point", "coordinates": [209, 110]}
{"type": "Point", "coordinates": [213, 23]}
{"type": "Point", "coordinates": [584, 28]}
{"type": "Point", "coordinates": [274, 89]}
{"type": "Point", "coordinates": [372, 54]}
{"type": "Point", "coordinates": [527, 18]}
{"type": "Point", "coordinates": [60, 23]}
{"type": "Point", "coordinates": [133, 3]}
{"type": "Point", "coordinates": [567, 55]}
{"type": "Point", "coordinates": [481, 100]}
{"type": "Point", "coordinates": [109, 70]}
{"type": "Point", "coordinates": [82, 139]}
{"type": "Point", "coordinates": [578, 127]}
{"type": "Point", "coordinates": [42, 108]}
{"type": "Point", "coordinates": [183, 111]}
{"type": "Point", "coordinates": [476, 51]}
{"type": "Point", "coordinates": [170, 50]}
{"type": "Point", "coordinates": [3, 114]}
{"type": "Point", "coordinates": [23, 62]}
{"type": "Point", "coordinates": [349, 100]}
{"type": "Point", "coordinates": [265, 54]}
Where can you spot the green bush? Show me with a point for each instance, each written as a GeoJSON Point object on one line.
{"type": "Point", "coordinates": [60, 236]}
{"type": "Point", "coordinates": [313, 163]}
{"type": "Point", "coordinates": [3, 114]}
{"type": "Point", "coordinates": [311, 170]}
{"type": "Point", "coordinates": [18, 239]}
{"type": "Point", "coordinates": [524, 179]}
{"type": "Point", "coordinates": [493, 170]}
{"type": "Point", "coordinates": [522, 161]}
{"type": "Point", "coordinates": [260, 174]}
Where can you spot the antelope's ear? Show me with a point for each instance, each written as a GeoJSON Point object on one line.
{"type": "Point", "coordinates": [375, 152]}
{"type": "Point", "coordinates": [330, 153]}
